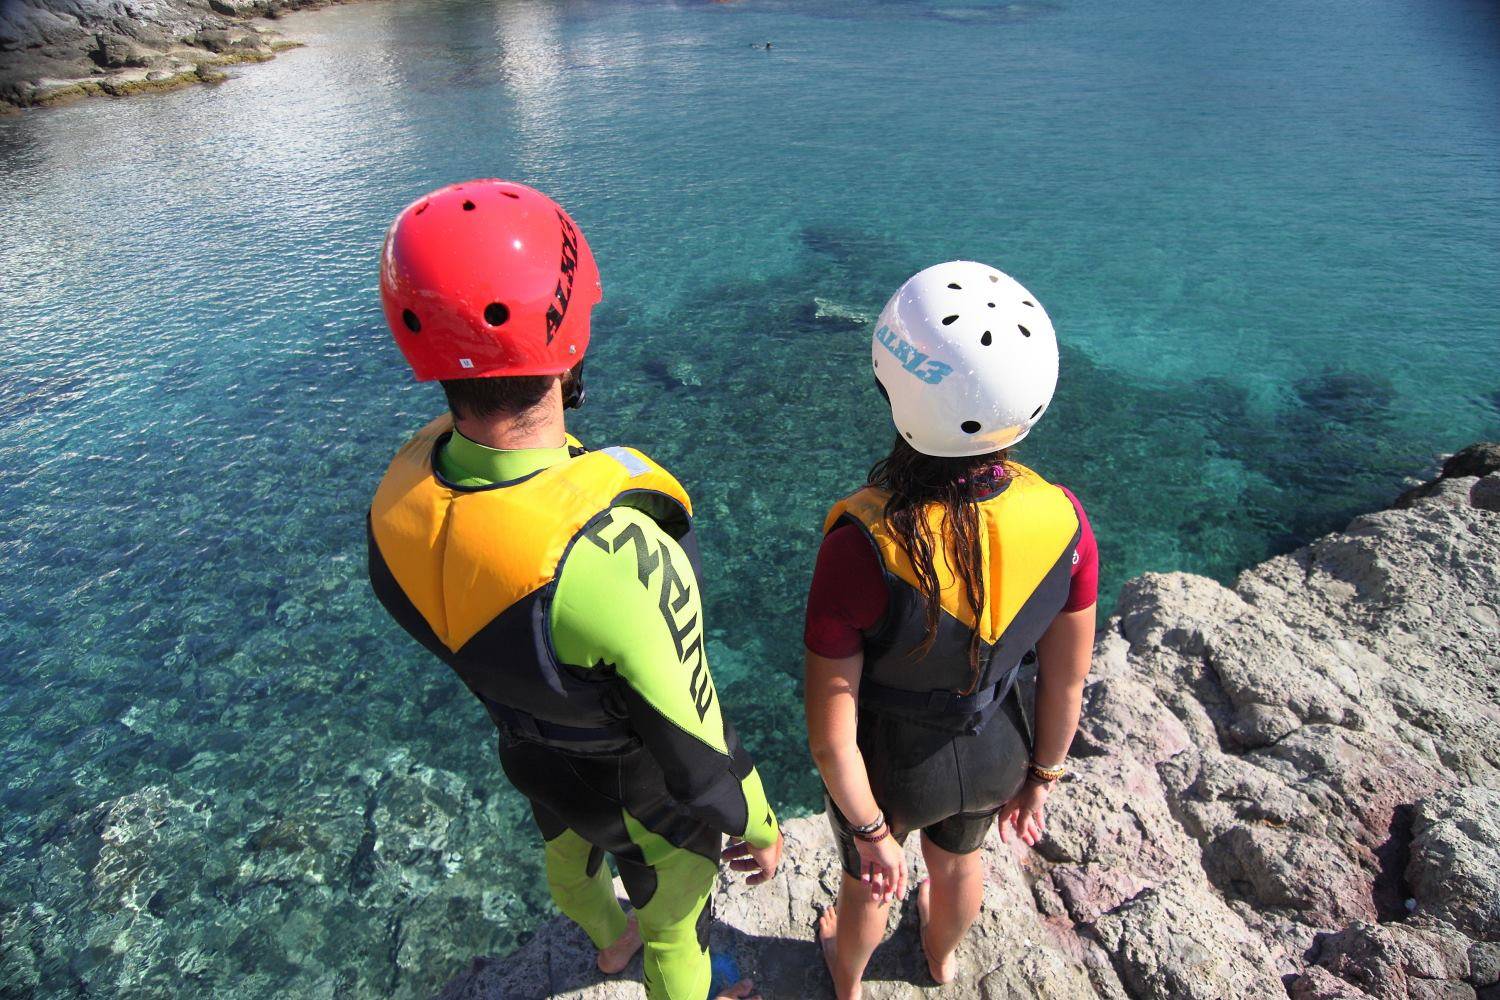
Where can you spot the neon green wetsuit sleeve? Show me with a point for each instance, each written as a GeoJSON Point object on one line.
{"type": "Point", "coordinates": [627, 598]}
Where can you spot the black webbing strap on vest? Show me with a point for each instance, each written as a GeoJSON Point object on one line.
{"type": "Point", "coordinates": [526, 724]}
{"type": "Point", "coordinates": [941, 702]}
{"type": "Point", "coordinates": [932, 702]}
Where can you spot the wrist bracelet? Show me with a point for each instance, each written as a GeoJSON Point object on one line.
{"type": "Point", "coordinates": [1046, 775]}
{"type": "Point", "coordinates": [875, 836]}
{"type": "Point", "coordinates": [870, 827]}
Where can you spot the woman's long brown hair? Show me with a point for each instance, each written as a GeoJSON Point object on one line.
{"type": "Point", "coordinates": [915, 481]}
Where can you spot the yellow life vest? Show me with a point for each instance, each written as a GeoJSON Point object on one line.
{"type": "Point", "coordinates": [1028, 534]}
{"type": "Point", "coordinates": [469, 572]}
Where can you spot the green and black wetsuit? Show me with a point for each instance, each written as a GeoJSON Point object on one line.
{"type": "Point", "coordinates": [561, 585]}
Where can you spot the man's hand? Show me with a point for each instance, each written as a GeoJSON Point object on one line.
{"type": "Point", "coordinates": [761, 862]}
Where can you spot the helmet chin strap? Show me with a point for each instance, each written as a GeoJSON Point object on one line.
{"type": "Point", "coordinates": [573, 393]}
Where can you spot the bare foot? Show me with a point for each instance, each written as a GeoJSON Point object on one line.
{"type": "Point", "coordinates": [614, 958]}
{"type": "Point", "coordinates": [828, 933]}
{"type": "Point", "coordinates": [742, 990]}
{"type": "Point", "coordinates": [944, 971]}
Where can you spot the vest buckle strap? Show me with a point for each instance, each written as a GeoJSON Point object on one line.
{"type": "Point", "coordinates": [939, 702]}
{"type": "Point", "coordinates": [528, 725]}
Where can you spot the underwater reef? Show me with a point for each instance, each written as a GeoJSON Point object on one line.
{"type": "Point", "coordinates": [1287, 787]}
{"type": "Point", "coordinates": [59, 50]}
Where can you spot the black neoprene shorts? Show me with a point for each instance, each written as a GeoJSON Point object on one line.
{"type": "Point", "coordinates": [948, 786]}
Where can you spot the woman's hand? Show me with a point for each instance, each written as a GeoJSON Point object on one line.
{"type": "Point", "coordinates": [882, 866]}
{"type": "Point", "coordinates": [832, 696]}
{"type": "Point", "coordinates": [1022, 815]}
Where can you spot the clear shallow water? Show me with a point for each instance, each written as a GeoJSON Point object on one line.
{"type": "Point", "coordinates": [1267, 238]}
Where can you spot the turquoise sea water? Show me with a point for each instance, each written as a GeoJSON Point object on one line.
{"type": "Point", "coordinates": [1267, 235]}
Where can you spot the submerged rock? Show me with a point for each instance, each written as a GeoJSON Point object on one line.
{"type": "Point", "coordinates": [838, 312]}
{"type": "Point", "coordinates": [1288, 787]}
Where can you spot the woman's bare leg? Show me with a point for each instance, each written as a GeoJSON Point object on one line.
{"type": "Point", "coordinates": [849, 933]}
{"type": "Point", "coordinates": [948, 904]}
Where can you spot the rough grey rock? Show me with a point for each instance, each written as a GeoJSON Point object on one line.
{"type": "Point", "coordinates": [55, 50]}
{"type": "Point", "coordinates": [116, 51]}
{"type": "Point", "coordinates": [1455, 860]}
{"type": "Point", "coordinates": [1475, 461]}
{"type": "Point", "coordinates": [1287, 787]}
{"type": "Point", "coordinates": [1485, 494]}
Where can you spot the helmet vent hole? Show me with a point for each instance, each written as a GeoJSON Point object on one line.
{"type": "Point", "coordinates": [986, 340]}
{"type": "Point", "coordinates": [511, 194]}
{"type": "Point", "coordinates": [468, 206]}
{"type": "Point", "coordinates": [992, 305]}
{"type": "Point", "coordinates": [969, 426]}
{"type": "Point", "coordinates": [496, 313]}
{"type": "Point", "coordinates": [1028, 302]}
{"type": "Point", "coordinates": [994, 279]}
{"type": "Point", "coordinates": [1024, 332]}
{"type": "Point", "coordinates": [948, 320]}
{"type": "Point", "coordinates": [410, 319]}
{"type": "Point", "coordinates": [954, 284]}
{"type": "Point", "coordinates": [908, 433]}
{"type": "Point", "coordinates": [421, 208]}
{"type": "Point", "coordinates": [1038, 411]}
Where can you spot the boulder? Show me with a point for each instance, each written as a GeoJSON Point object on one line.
{"type": "Point", "coordinates": [1455, 860]}
{"type": "Point", "coordinates": [116, 51]}
{"type": "Point", "coordinates": [223, 40]}
{"type": "Point", "coordinates": [1475, 461]}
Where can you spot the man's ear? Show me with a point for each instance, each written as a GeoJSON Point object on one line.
{"type": "Point", "coordinates": [572, 387]}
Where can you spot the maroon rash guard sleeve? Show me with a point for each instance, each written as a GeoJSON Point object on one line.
{"type": "Point", "coordinates": [848, 594]}
{"type": "Point", "coordinates": [1083, 589]}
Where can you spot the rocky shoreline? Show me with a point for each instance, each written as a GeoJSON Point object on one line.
{"type": "Point", "coordinates": [1290, 787]}
{"type": "Point", "coordinates": [59, 50]}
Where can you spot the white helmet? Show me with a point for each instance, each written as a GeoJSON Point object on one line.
{"type": "Point", "coordinates": [967, 358]}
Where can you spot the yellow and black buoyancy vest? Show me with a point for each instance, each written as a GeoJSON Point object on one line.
{"type": "Point", "coordinates": [470, 573]}
{"type": "Point", "coordinates": [1028, 535]}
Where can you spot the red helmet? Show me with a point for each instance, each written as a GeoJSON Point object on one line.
{"type": "Point", "coordinates": [488, 277]}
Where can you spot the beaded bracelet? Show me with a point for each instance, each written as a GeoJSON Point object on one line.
{"type": "Point", "coordinates": [874, 836]}
{"type": "Point", "coordinates": [1046, 775]}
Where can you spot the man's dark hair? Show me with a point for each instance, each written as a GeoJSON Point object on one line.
{"type": "Point", "coordinates": [478, 398]}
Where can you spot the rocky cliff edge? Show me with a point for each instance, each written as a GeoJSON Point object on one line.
{"type": "Point", "coordinates": [57, 50]}
{"type": "Point", "coordinates": [1290, 787]}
